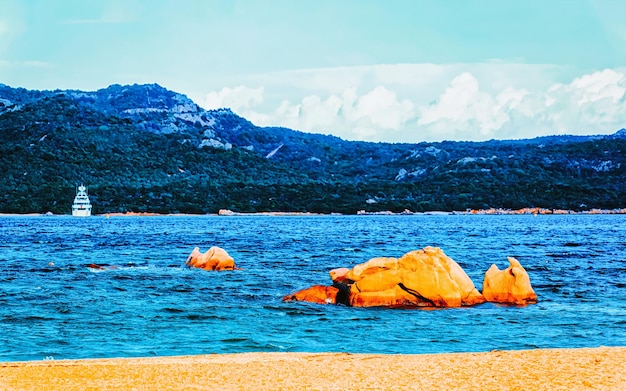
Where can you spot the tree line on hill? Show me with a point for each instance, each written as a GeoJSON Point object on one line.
{"type": "Point", "coordinates": [54, 141]}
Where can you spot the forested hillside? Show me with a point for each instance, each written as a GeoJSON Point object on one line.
{"type": "Point", "coordinates": [143, 148]}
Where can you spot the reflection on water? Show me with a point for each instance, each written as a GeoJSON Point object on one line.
{"type": "Point", "coordinates": [53, 305]}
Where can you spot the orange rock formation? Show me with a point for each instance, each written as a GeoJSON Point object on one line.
{"type": "Point", "coordinates": [421, 278]}
{"type": "Point", "coordinates": [316, 294]}
{"type": "Point", "coordinates": [216, 258]}
{"type": "Point", "coordinates": [511, 285]}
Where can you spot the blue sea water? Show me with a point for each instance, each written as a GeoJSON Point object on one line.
{"type": "Point", "coordinates": [53, 306]}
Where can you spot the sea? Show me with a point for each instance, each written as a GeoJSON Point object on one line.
{"type": "Point", "coordinates": [145, 302]}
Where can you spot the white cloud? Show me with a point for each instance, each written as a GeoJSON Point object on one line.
{"type": "Point", "coordinates": [427, 102]}
{"type": "Point", "coordinates": [592, 103]}
{"type": "Point", "coordinates": [598, 86]}
{"type": "Point", "coordinates": [383, 109]}
{"type": "Point", "coordinates": [314, 113]}
{"type": "Point", "coordinates": [346, 114]}
{"type": "Point", "coordinates": [464, 111]}
{"type": "Point", "coordinates": [237, 98]}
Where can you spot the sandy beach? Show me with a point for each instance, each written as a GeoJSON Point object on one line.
{"type": "Point", "coordinates": [548, 369]}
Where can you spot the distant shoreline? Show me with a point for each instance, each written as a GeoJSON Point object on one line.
{"type": "Point", "coordinates": [226, 212]}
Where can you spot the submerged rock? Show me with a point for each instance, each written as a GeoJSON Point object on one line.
{"type": "Point", "coordinates": [316, 294]}
{"type": "Point", "coordinates": [216, 258]}
{"type": "Point", "coordinates": [511, 285]}
{"type": "Point", "coordinates": [421, 278]}
{"type": "Point", "coordinates": [98, 266]}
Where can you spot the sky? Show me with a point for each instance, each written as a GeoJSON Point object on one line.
{"type": "Point", "coordinates": [373, 70]}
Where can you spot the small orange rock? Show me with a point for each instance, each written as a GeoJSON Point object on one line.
{"type": "Point", "coordinates": [511, 285]}
{"type": "Point", "coordinates": [216, 258]}
{"type": "Point", "coordinates": [316, 294]}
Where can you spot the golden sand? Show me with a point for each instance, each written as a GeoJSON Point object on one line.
{"type": "Point", "coordinates": [543, 369]}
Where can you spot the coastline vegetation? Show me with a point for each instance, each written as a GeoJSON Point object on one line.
{"type": "Point", "coordinates": [155, 161]}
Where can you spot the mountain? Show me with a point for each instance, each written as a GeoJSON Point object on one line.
{"type": "Point", "coordinates": [144, 148]}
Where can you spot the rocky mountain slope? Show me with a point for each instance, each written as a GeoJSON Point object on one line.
{"type": "Point", "coordinates": [144, 148]}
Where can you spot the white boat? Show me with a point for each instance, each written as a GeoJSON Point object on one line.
{"type": "Point", "coordinates": [82, 205]}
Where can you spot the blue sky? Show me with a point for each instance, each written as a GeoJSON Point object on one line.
{"type": "Point", "coordinates": [399, 71]}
